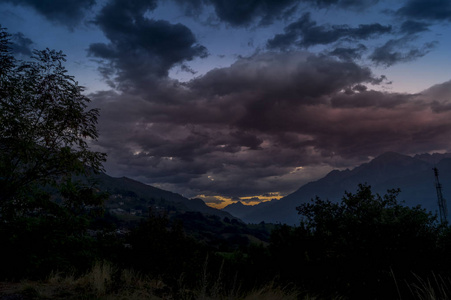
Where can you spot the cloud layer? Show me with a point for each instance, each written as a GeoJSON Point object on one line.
{"type": "Point", "coordinates": [240, 129]}
{"type": "Point", "coordinates": [140, 48]}
{"type": "Point", "coordinates": [433, 10]}
{"type": "Point", "coordinates": [305, 33]}
{"type": "Point", "coordinates": [68, 12]}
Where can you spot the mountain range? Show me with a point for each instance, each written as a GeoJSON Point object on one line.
{"type": "Point", "coordinates": [412, 175]}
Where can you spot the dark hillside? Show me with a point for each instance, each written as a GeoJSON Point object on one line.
{"type": "Point", "coordinates": [133, 196]}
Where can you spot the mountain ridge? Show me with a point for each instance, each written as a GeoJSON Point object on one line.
{"type": "Point", "coordinates": [127, 192]}
{"type": "Point", "coordinates": [413, 175]}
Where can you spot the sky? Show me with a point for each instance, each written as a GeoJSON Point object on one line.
{"type": "Point", "coordinates": [248, 100]}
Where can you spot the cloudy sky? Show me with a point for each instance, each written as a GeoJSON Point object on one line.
{"type": "Point", "coordinates": [250, 99]}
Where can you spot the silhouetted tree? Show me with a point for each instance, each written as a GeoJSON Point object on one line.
{"type": "Point", "coordinates": [45, 126]}
{"type": "Point", "coordinates": [358, 243]}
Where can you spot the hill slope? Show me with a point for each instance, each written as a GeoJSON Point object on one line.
{"type": "Point", "coordinates": [127, 194]}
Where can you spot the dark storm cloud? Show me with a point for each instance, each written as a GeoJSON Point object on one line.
{"type": "Point", "coordinates": [260, 78]}
{"type": "Point", "coordinates": [342, 3]}
{"type": "Point", "coordinates": [141, 48]}
{"type": "Point", "coordinates": [306, 33]}
{"type": "Point", "coordinates": [243, 13]}
{"type": "Point", "coordinates": [124, 11]}
{"type": "Point", "coordinates": [191, 7]}
{"type": "Point", "coordinates": [440, 95]}
{"type": "Point", "coordinates": [238, 12]}
{"type": "Point", "coordinates": [68, 12]}
{"type": "Point", "coordinates": [413, 27]}
{"type": "Point", "coordinates": [432, 10]}
{"type": "Point", "coordinates": [21, 44]}
{"type": "Point", "coordinates": [439, 91]}
{"type": "Point", "coordinates": [364, 98]}
{"type": "Point", "coordinates": [264, 12]}
{"type": "Point", "coordinates": [241, 129]}
{"type": "Point", "coordinates": [399, 50]}
{"type": "Point", "coordinates": [359, 88]}
{"type": "Point", "coordinates": [348, 54]}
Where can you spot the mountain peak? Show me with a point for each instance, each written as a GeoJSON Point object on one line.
{"type": "Point", "coordinates": [390, 170]}
{"type": "Point", "coordinates": [433, 158]}
{"type": "Point", "coordinates": [390, 160]}
{"type": "Point", "coordinates": [238, 209]}
{"type": "Point", "coordinates": [391, 156]}
{"type": "Point", "coordinates": [197, 200]}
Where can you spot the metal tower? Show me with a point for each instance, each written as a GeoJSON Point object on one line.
{"type": "Point", "coordinates": [441, 201]}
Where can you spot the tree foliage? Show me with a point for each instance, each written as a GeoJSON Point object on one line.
{"type": "Point", "coordinates": [45, 129]}
{"type": "Point", "coordinates": [45, 126]}
{"type": "Point", "coordinates": [359, 243]}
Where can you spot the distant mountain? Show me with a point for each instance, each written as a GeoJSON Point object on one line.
{"type": "Point", "coordinates": [240, 210]}
{"type": "Point", "coordinates": [131, 196]}
{"type": "Point", "coordinates": [413, 175]}
{"type": "Point", "coordinates": [433, 158]}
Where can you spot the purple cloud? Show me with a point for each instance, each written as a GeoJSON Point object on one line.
{"type": "Point", "coordinates": [244, 129]}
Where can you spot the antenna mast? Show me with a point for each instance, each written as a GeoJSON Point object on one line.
{"type": "Point", "coordinates": [441, 201]}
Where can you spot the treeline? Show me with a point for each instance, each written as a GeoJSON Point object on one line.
{"type": "Point", "coordinates": [365, 247]}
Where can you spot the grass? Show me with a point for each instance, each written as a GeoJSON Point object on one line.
{"type": "Point", "coordinates": [105, 282]}
{"type": "Point", "coordinates": [433, 288]}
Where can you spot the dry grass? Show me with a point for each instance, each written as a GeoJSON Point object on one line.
{"type": "Point", "coordinates": [99, 283]}
{"type": "Point", "coordinates": [105, 282]}
{"type": "Point", "coordinates": [272, 292]}
{"type": "Point", "coordinates": [433, 288]}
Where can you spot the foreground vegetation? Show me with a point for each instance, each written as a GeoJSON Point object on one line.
{"type": "Point", "coordinates": [364, 247]}
{"type": "Point", "coordinates": [58, 242]}
{"type": "Point", "coordinates": [106, 282]}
